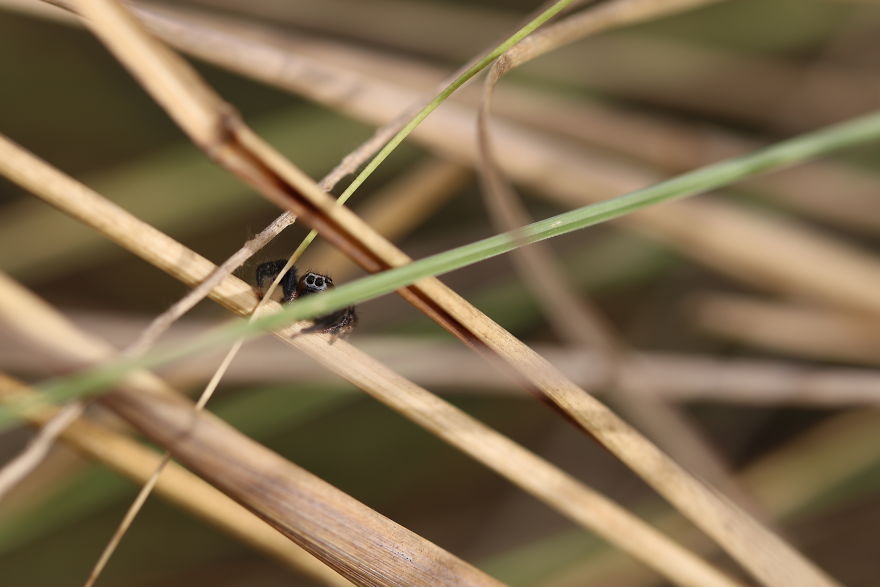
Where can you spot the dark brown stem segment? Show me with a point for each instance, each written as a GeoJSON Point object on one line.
{"type": "Point", "coordinates": [359, 543]}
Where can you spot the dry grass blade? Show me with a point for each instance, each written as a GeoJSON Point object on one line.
{"type": "Point", "coordinates": [38, 322]}
{"type": "Point", "coordinates": [399, 207]}
{"type": "Point", "coordinates": [363, 546]}
{"type": "Point", "coordinates": [723, 83]}
{"type": "Point", "coordinates": [591, 20]}
{"type": "Point", "coordinates": [573, 319]}
{"type": "Point", "coordinates": [234, 145]}
{"type": "Point", "coordinates": [151, 482]}
{"type": "Point", "coordinates": [359, 543]}
{"type": "Point", "coordinates": [533, 474]}
{"type": "Point", "coordinates": [677, 145]}
{"type": "Point", "coordinates": [569, 176]}
{"type": "Point", "coordinates": [795, 329]}
{"type": "Point", "coordinates": [785, 481]}
{"type": "Point", "coordinates": [758, 382]}
{"type": "Point", "coordinates": [674, 377]}
{"type": "Point", "coordinates": [133, 460]}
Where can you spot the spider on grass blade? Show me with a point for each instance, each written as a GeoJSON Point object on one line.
{"type": "Point", "coordinates": [337, 324]}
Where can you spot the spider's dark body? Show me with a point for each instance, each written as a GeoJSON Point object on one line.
{"type": "Point", "coordinates": [338, 324]}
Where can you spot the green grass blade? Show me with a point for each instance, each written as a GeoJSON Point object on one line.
{"type": "Point", "coordinates": [853, 132]}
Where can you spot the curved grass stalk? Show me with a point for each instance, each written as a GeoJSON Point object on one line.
{"type": "Point", "coordinates": [422, 114]}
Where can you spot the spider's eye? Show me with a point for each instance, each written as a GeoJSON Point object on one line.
{"type": "Point", "coordinates": [315, 283]}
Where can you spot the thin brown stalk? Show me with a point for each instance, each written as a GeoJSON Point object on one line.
{"type": "Point", "coordinates": [758, 382]}
{"type": "Point", "coordinates": [398, 208]}
{"type": "Point", "coordinates": [674, 377]}
{"type": "Point", "coordinates": [39, 323]}
{"type": "Point", "coordinates": [533, 474]}
{"type": "Point", "coordinates": [22, 465]}
{"type": "Point", "coordinates": [212, 125]}
{"type": "Point", "coordinates": [39, 9]}
{"type": "Point", "coordinates": [153, 479]}
{"type": "Point", "coordinates": [785, 481]}
{"type": "Point", "coordinates": [589, 21]}
{"type": "Point", "coordinates": [716, 82]}
{"type": "Point", "coordinates": [576, 320]}
{"type": "Point", "coordinates": [359, 543]}
{"type": "Point", "coordinates": [568, 175]}
{"type": "Point", "coordinates": [165, 320]}
{"type": "Point", "coordinates": [127, 520]}
{"type": "Point", "coordinates": [795, 329]}
{"type": "Point", "coordinates": [723, 83]}
{"type": "Point", "coordinates": [348, 165]}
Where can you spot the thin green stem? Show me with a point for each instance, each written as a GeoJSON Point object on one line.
{"type": "Point", "coordinates": [794, 150]}
{"type": "Point", "coordinates": [443, 95]}
{"type": "Point", "coordinates": [404, 132]}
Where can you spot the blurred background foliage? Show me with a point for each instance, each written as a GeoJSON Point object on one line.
{"type": "Point", "coordinates": [65, 98]}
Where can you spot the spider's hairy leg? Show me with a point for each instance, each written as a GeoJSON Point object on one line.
{"type": "Point", "coordinates": [266, 273]}
{"type": "Point", "coordinates": [338, 324]}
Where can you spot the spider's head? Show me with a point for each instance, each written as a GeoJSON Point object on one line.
{"type": "Point", "coordinates": [312, 283]}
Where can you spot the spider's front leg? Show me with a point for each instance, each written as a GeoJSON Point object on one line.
{"type": "Point", "coordinates": [266, 274]}
{"type": "Point", "coordinates": [338, 324]}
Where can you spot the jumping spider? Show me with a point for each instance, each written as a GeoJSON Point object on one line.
{"type": "Point", "coordinates": [337, 324]}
